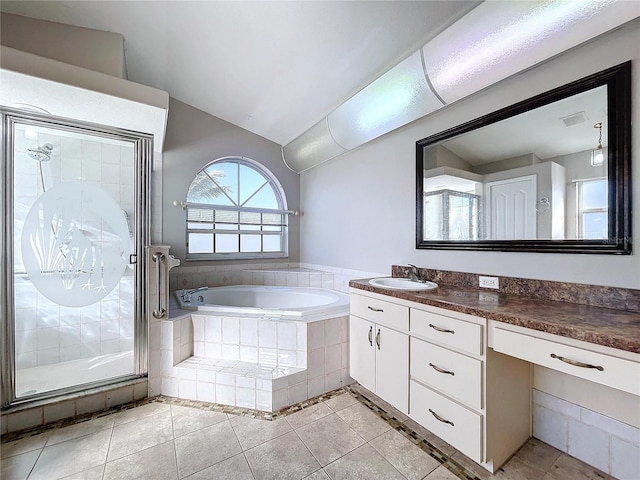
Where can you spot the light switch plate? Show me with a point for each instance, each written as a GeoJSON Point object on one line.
{"type": "Point", "coordinates": [489, 282]}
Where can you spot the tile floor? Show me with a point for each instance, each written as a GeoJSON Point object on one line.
{"type": "Point", "coordinates": [338, 437]}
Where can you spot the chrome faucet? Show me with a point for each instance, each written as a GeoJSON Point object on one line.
{"type": "Point", "coordinates": [186, 295]}
{"type": "Point", "coordinates": [414, 274]}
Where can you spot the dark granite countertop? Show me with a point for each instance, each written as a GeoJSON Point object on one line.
{"type": "Point", "coordinates": [603, 326]}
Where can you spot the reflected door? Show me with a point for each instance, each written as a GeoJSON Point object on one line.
{"type": "Point", "coordinates": [512, 213]}
{"type": "Point", "coordinates": [74, 283]}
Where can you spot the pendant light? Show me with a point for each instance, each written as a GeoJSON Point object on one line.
{"type": "Point", "coordinates": [597, 154]}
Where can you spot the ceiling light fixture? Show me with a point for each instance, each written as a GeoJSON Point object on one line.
{"type": "Point", "coordinates": [597, 154]}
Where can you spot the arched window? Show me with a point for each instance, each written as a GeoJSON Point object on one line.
{"type": "Point", "coordinates": [236, 209]}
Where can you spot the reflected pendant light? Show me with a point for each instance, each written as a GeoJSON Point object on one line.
{"type": "Point", "coordinates": [597, 154]}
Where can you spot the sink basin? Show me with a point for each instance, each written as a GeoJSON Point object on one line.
{"type": "Point", "coordinates": [401, 284]}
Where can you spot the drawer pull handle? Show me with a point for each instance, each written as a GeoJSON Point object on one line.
{"type": "Point", "coordinates": [374, 309]}
{"type": "Point", "coordinates": [439, 418]}
{"type": "Point", "coordinates": [378, 339]}
{"type": "Point", "coordinates": [576, 363]}
{"type": "Point", "coordinates": [440, 329]}
{"type": "Point", "coordinates": [370, 336]}
{"type": "Point", "coordinates": [438, 369]}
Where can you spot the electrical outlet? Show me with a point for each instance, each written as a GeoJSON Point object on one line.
{"type": "Point", "coordinates": [489, 282]}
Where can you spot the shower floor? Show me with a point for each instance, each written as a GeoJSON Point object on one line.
{"type": "Point", "coordinates": [45, 378]}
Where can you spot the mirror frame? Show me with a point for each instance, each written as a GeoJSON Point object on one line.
{"type": "Point", "coordinates": [618, 82]}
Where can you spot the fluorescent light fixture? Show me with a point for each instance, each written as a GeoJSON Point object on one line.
{"type": "Point", "coordinates": [314, 146]}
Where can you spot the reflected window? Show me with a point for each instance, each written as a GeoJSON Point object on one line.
{"type": "Point", "coordinates": [593, 212]}
{"type": "Point", "coordinates": [451, 215]}
{"type": "Point", "coordinates": [235, 209]}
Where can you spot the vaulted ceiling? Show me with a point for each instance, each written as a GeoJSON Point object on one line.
{"type": "Point", "coordinates": [274, 68]}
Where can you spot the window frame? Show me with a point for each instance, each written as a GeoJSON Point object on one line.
{"type": "Point", "coordinates": [211, 210]}
{"type": "Point", "coordinates": [580, 211]}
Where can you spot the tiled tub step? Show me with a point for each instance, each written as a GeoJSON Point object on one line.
{"type": "Point", "coordinates": [243, 384]}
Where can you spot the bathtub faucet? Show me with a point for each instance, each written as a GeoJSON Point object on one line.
{"type": "Point", "coordinates": [186, 295]}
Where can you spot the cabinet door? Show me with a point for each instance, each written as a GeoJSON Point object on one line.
{"type": "Point", "coordinates": [362, 360]}
{"type": "Point", "coordinates": [392, 367]}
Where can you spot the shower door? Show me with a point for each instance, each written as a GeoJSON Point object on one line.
{"type": "Point", "coordinates": [75, 223]}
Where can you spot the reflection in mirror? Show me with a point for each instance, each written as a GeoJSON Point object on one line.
{"type": "Point", "coordinates": [547, 174]}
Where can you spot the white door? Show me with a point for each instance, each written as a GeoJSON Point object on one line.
{"type": "Point", "coordinates": [361, 352]}
{"type": "Point", "coordinates": [512, 209]}
{"type": "Point", "coordinates": [392, 367]}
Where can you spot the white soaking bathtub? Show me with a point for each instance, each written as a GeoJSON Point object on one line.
{"type": "Point", "coordinates": [297, 302]}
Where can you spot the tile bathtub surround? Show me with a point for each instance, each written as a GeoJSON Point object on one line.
{"type": "Point", "coordinates": [250, 362]}
{"type": "Point", "coordinates": [173, 439]}
{"type": "Point", "coordinates": [593, 295]}
{"type": "Point", "coordinates": [610, 445]}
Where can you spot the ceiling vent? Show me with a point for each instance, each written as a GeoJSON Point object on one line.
{"type": "Point", "coordinates": [574, 119]}
{"type": "Point", "coordinates": [492, 42]}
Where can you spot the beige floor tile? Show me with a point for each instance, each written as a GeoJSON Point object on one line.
{"type": "Point", "coordinates": [413, 462]}
{"type": "Point", "coordinates": [569, 468]}
{"type": "Point", "coordinates": [318, 475]}
{"type": "Point", "coordinates": [472, 466]}
{"type": "Point", "coordinates": [366, 423]}
{"type": "Point", "coordinates": [308, 415]}
{"type": "Point", "coordinates": [516, 469]}
{"type": "Point", "coordinates": [139, 412]}
{"type": "Point", "coordinates": [72, 456]}
{"type": "Point", "coordinates": [329, 438]}
{"type": "Point", "coordinates": [538, 454]}
{"type": "Point", "coordinates": [27, 444]}
{"type": "Point", "coordinates": [234, 468]}
{"type": "Point", "coordinates": [341, 401]}
{"type": "Point", "coordinates": [18, 467]}
{"type": "Point", "coordinates": [157, 463]}
{"type": "Point", "coordinates": [187, 420]}
{"type": "Point", "coordinates": [441, 473]}
{"type": "Point", "coordinates": [254, 431]}
{"type": "Point", "coordinates": [363, 463]}
{"type": "Point", "coordinates": [282, 458]}
{"type": "Point", "coordinates": [81, 429]}
{"type": "Point", "coordinates": [148, 431]}
{"type": "Point", "coordinates": [198, 450]}
{"type": "Point", "coordinates": [94, 473]}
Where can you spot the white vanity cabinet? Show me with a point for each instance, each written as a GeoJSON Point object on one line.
{"type": "Point", "coordinates": [379, 347]}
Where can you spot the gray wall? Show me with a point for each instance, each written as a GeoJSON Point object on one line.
{"type": "Point", "coordinates": [195, 138]}
{"type": "Point", "coordinates": [93, 49]}
{"type": "Point", "coordinates": [359, 209]}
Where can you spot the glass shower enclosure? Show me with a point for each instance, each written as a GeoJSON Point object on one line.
{"type": "Point", "coordinates": [75, 221]}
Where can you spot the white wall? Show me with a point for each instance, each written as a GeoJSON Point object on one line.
{"type": "Point", "coordinates": [194, 139]}
{"type": "Point", "coordinates": [359, 209]}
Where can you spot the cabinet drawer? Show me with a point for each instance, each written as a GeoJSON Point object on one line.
{"type": "Point", "coordinates": [380, 311]}
{"type": "Point", "coordinates": [452, 373]}
{"type": "Point", "coordinates": [457, 425]}
{"type": "Point", "coordinates": [611, 371]}
{"type": "Point", "coordinates": [450, 331]}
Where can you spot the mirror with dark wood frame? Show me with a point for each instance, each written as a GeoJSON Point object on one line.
{"type": "Point", "coordinates": [548, 174]}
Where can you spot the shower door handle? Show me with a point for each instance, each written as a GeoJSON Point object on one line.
{"type": "Point", "coordinates": [158, 258]}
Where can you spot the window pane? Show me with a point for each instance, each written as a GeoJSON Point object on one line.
{"type": "Point", "coordinates": [226, 226]}
{"type": "Point", "coordinates": [250, 243]}
{"type": "Point", "coordinates": [205, 190]}
{"type": "Point", "coordinates": [265, 198]}
{"type": "Point", "coordinates": [268, 228]}
{"type": "Point", "coordinates": [250, 181]}
{"type": "Point", "coordinates": [200, 243]}
{"type": "Point", "coordinates": [226, 175]}
{"type": "Point", "coordinates": [594, 194]}
{"type": "Point", "coordinates": [271, 243]}
{"type": "Point", "coordinates": [250, 227]}
{"type": "Point", "coordinates": [594, 225]}
{"type": "Point", "coordinates": [199, 226]}
{"type": "Point", "coordinates": [226, 243]}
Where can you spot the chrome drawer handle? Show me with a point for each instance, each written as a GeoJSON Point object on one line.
{"type": "Point", "coordinates": [440, 329]}
{"type": "Point", "coordinates": [438, 369]}
{"type": "Point", "coordinates": [370, 336]}
{"type": "Point", "coordinates": [576, 363]}
{"type": "Point", "coordinates": [439, 418]}
{"type": "Point", "coordinates": [374, 309]}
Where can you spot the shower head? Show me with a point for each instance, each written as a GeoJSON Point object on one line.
{"type": "Point", "coordinates": [42, 153]}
